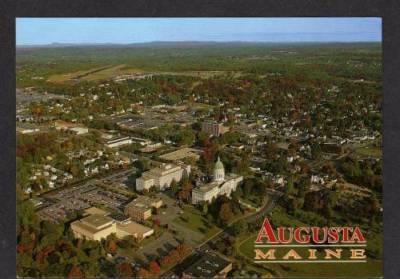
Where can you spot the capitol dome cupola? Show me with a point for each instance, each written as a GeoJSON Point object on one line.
{"type": "Point", "coordinates": [219, 171]}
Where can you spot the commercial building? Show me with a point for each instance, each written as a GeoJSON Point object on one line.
{"type": "Point", "coordinates": [78, 129]}
{"type": "Point", "coordinates": [138, 231]}
{"type": "Point", "coordinates": [210, 265]}
{"type": "Point", "coordinates": [140, 209]}
{"type": "Point", "coordinates": [27, 128]}
{"type": "Point", "coordinates": [96, 227]}
{"type": "Point", "coordinates": [221, 185]}
{"type": "Point", "coordinates": [116, 142]}
{"type": "Point", "coordinates": [214, 128]}
{"type": "Point", "coordinates": [161, 177]}
{"type": "Point", "coordinates": [149, 201]}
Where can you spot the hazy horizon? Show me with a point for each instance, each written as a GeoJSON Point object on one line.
{"type": "Point", "coordinates": [122, 31]}
{"type": "Point", "coordinates": [55, 44]}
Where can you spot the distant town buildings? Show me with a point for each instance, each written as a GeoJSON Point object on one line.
{"type": "Point", "coordinates": [221, 185]}
{"type": "Point", "coordinates": [162, 176]}
{"type": "Point", "coordinates": [214, 128]}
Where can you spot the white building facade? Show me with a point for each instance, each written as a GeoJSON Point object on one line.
{"type": "Point", "coordinates": [161, 177]}
{"type": "Point", "coordinates": [221, 185]}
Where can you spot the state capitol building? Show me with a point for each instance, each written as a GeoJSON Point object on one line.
{"type": "Point", "coordinates": [221, 185]}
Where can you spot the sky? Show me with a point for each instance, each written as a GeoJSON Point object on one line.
{"type": "Point", "coordinates": [38, 31]}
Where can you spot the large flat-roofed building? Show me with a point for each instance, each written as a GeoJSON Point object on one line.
{"type": "Point", "coordinates": [221, 185]}
{"type": "Point", "coordinates": [181, 154]}
{"type": "Point", "coordinates": [161, 177]}
{"type": "Point", "coordinates": [79, 129]}
{"type": "Point", "coordinates": [116, 142]}
{"type": "Point", "coordinates": [27, 128]}
{"type": "Point", "coordinates": [151, 202]}
{"type": "Point", "coordinates": [210, 265]}
{"type": "Point", "coordinates": [138, 211]}
{"type": "Point", "coordinates": [140, 208]}
{"type": "Point", "coordinates": [138, 231]}
{"type": "Point", "coordinates": [214, 128]}
{"type": "Point", "coordinates": [94, 227]}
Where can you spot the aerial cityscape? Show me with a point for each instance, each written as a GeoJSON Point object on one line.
{"type": "Point", "coordinates": [157, 147]}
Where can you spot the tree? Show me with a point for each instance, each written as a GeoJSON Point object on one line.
{"type": "Point", "coordinates": [166, 260]}
{"type": "Point", "coordinates": [182, 249]}
{"type": "Point", "coordinates": [75, 272]}
{"type": "Point", "coordinates": [316, 151]}
{"type": "Point", "coordinates": [174, 256]}
{"type": "Point", "coordinates": [154, 268]}
{"type": "Point", "coordinates": [174, 187]}
{"type": "Point", "coordinates": [185, 192]}
{"type": "Point", "coordinates": [289, 187]}
{"type": "Point", "coordinates": [205, 208]}
{"type": "Point", "coordinates": [248, 187]}
{"type": "Point", "coordinates": [143, 273]}
{"type": "Point", "coordinates": [111, 245]}
{"type": "Point", "coordinates": [124, 270]}
{"type": "Point", "coordinates": [157, 222]}
{"type": "Point", "coordinates": [225, 213]}
{"type": "Point", "coordinates": [240, 227]}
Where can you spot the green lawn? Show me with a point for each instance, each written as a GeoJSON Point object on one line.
{"type": "Point", "coordinates": [367, 149]}
{"type": "Point", "coordinates": [193, 219]}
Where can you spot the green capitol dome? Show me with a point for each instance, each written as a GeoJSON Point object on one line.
{"type": "Point", "coordinates": [219, 165]}
{"type": "Point", "coordinates": [219, 171]}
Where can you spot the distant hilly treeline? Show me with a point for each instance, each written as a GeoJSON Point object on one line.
{"type": "Point", "coordinates": [320, 60]}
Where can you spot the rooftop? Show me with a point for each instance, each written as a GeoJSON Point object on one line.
{"type": "Point", "coordinates": [95, 211]}
{"type": "Point", "coordinates": [207, 187]}
{"type": "Point", "coordinates": [181, 154]}
{"type": "Point", "coordinates": [96, 221]}
{"type": "Point", "coordinates": [119, 217]}
{"type": "Point", "coordinates": [134, 228]}
{"type": "Point", "coordinates": [208, 266]}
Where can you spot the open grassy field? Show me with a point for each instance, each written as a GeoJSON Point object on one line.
{"type": "Point", "coordinates": [193, 220]}
{"type": "Point", "coordinates": [369, 149]}
{"type": "Point", "coordinates": [109, 72]}
{"type": "Point", "coordinates": [98, 73]}
{"type": "Point", "coordinates": [60, 78]}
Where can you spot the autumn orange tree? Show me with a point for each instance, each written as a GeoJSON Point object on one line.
{"type": "Point", "coordinates": [154, 268]}
{"type": "Point", "coordinates": [124, 270]}
{"type": "Point", "coordinates": [111, 244]}
{"type": "Point", "coordinates": [143, 273]}
{"type": "Point", "coordinates": [75, 272]}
